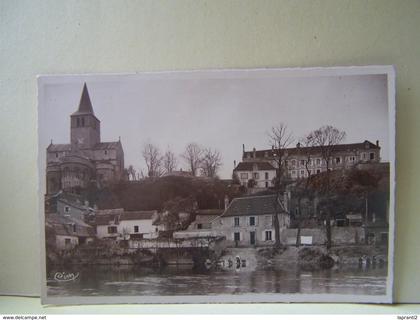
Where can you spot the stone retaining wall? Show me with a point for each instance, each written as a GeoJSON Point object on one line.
{"type": "Point", "coordinates": [339, 235]}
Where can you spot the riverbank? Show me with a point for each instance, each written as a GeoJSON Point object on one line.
{"type": "Point", "coordinates": [247, 259]}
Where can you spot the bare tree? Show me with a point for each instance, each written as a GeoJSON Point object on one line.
{"type": "Point", "coordinates": [326, 139]}
{"type": "Point", "coordinates": [280, 138]}
{"type": "Point", "coordinates": [169, 161]}
{"type": "Point", "coordinates": [153, 159]}
{"type": "Point", "coordinates": [302, 188]}
{"type": "Point", "coordinates": [131, 173]}
{"type": "Point", "coordinates": [210, 162]}
{"type": "Point", "coordinates": [192, 156]}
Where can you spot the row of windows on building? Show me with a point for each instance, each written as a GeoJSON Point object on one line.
{"type": "Point", "coordinates": [253, 221]}
{"type": "Point", "coordinates": [255, 175]}
{"type": "Point", "coordinates": [312, 163]}
{"type": "Point", "coordinates": [335, 160]}
{"type": "Point", "coordinates": [268, 236]}
{"type": "Point", "coordinates": [113, 229]}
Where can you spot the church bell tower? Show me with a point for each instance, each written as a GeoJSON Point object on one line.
{"type": "Point", "coordinates": [85, 128]}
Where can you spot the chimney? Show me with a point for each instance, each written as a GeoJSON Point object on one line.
{"type": "Point", "coordinates": [234, 163]}
{"type": "Point", "coordinates": [254, 153]}
{"type": "Point", "coordinates": [298, 145]}
{"type": "Point", "coordinates": [377, 143]}
{"type": "Point", "coordinates": [243, 147]}
{"type": "Point", "coordinates": [226, 202]}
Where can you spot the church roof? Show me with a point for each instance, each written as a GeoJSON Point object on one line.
{"type": "Point", "coordinates": [98, 146]}
{"type": "Point", "coordinates": [59, 147]}
{"type": "Point", "coordinates": [106, 145]}
{"type": "Point", "coordinates": [85, 105]}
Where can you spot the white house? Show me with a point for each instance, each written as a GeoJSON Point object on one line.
{"type": "Point", "coordinates": [248, 221]}
{"type": "Point", "coordinates": [127, 225]}
{"type": "Point", "coordinates": [66, 232]}
{"type": "Point", "coordinates": [261, 173]}
{"type": "Point", "coordinates": [202, 226]}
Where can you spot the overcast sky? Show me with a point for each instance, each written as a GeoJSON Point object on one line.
{"type": "Point", "coordinates": [215, 111]}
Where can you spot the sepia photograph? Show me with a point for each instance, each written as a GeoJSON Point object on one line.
{"type": "Point", "coordinates": [218, 186]}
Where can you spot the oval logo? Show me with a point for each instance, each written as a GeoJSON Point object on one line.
{"type": "Point", "coordinates": [64, 276]}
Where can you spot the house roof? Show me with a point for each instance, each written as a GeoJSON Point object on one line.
{"type": "Point", "coordinates": [137, 215]}
{"type": "Point", "coordinates": [252, 206]}
{"type": "Point", "coordinates": [63, 225]}
{"type": "Point", "coordinates": [109, 211]}
{"type": "Point", "coordinates": [105, 218]}
{"type": "Point", "coordinates": [74, 204]}
{"type": "Point", "coordinates": [269, 153]}
{"type": "Point", "coordinates": [249, 166]}
{"type": "Point", "coordinates": [209, 212]}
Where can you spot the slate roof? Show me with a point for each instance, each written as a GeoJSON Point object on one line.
{"type": "Point", "coordinates": [59, 147]}
{"type": "Point", "coordinates": [99, 146]}
{"type": "Point", "coordinates": [137, 215]}
{"type": "Point", "coordinates": [106, 145]}
{"type": "Point", "coordinates": [251, 206]}
{"type": "Point", "coordinates": [63, 225]}
{"type": "Point", "coordinates": [249, 166]}
{"type": "Point", "coordinates": [204, 219]}
{"type": "Point", "coordinates": [109, 211]}
{"type": "Point", "coordinates": [210, 212]}
{"type": "Point", "coordinates": [296, 151]}
{"type": "Point", "coordinates": [105, 219]}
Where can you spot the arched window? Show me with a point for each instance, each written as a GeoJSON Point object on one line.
{"type": "Point", "coordinates": [83, 122]}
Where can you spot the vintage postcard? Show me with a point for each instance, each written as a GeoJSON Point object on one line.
{"type": "Point", "coordinates": [265, 185]}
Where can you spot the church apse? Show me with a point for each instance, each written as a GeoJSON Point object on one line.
{"type": "Point", "coordinates": [72, 167]}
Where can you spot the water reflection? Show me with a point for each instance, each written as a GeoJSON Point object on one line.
{"type": "Point", "coordinates": [128, 280]}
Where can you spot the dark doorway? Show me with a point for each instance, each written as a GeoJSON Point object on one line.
{"type": "Point", "coordinates": [252, 237]}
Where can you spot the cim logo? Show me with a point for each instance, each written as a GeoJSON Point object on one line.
{"type": "Point", "coordinates": [64, 276]}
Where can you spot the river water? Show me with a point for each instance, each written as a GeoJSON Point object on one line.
{"type": "Point", "coordinates": [127, 281]}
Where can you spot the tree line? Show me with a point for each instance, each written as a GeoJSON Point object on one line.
{"type": "Point", "coordinates": [198, 161]}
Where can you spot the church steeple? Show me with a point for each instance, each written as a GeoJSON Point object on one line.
{"type": "Point", "coordinates": [85, 105]}
{"type": "Point", "coordinates": [85, 127]}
